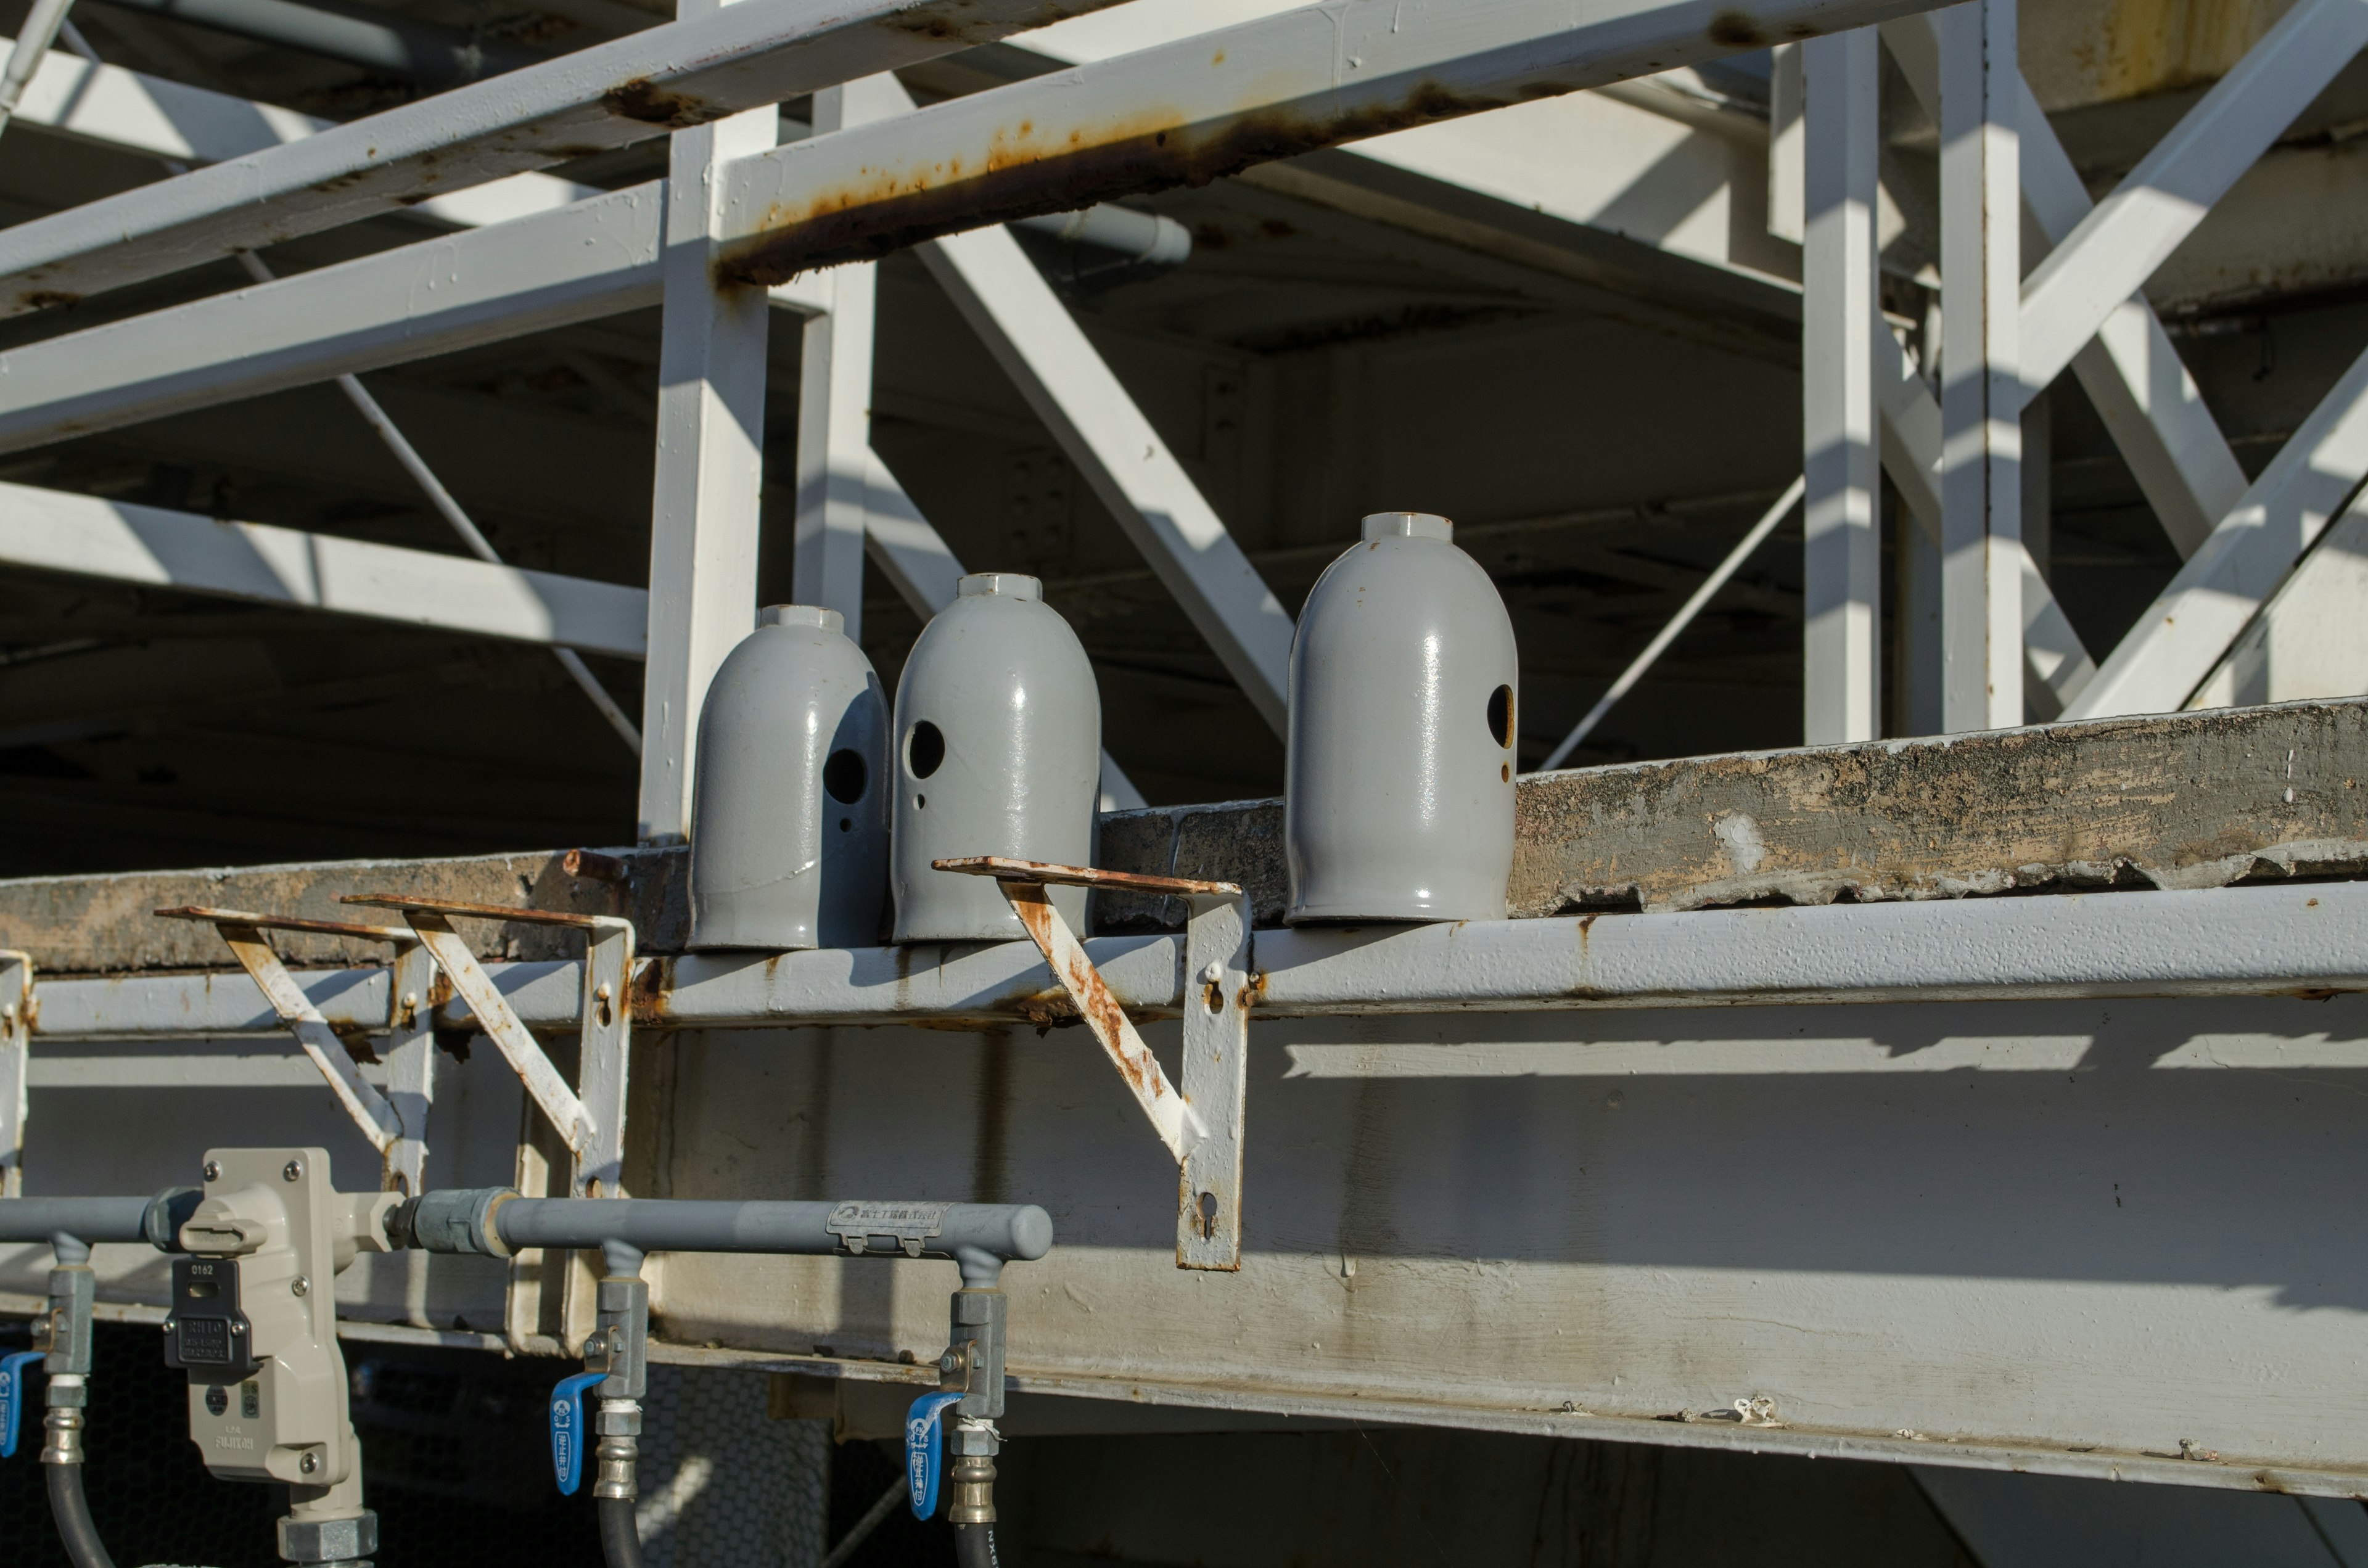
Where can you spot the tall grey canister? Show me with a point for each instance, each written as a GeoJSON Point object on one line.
{"type": "Point", "coordinates": [1398, 787]}
{"type": "Point", "coordinates": [789, 827]}
{"type": "Point", "coordinates": [999, 752]}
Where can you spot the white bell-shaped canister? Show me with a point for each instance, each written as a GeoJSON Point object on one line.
{"type": "Point", "coordinates": [998, 746]}
{"type": "Point", "coordinates": [1398, 789]}
{"type": "Point", "coordinates": [789, 840]}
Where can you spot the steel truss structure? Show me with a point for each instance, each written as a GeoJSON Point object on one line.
{"type": "Point", "coordinates": [746, 233]}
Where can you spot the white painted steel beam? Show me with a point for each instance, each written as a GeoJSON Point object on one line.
{"type": "Point", "coordinates": [129, 112]}
{"type": "Point", "coordinates": [1981, 394]}
{"type": "Point", "coordinates": [2142, 392]}
{"type": "Point", "coordinates": [693, 71]}
{"type": "Point", "coordinates": [1841, 548]}
{"type": "Point", "coordinates": [1214, 103]}
{"type": "Point", "coordinates": [834, 462]}
{"type": "Point", "coordinates": [711, 460]}
{"type": "Point", "coordinates": [2052, 654]}
{"type": "Point", "coordinates": [16, 1060]}
{"type": "Point", "coordinates": [54, 531]}
{"type": "Point", "coordinates": [1097, 424]}
{"type": "Point", "coordinates": [2070, 295]}
{"type": "Point", "coordinates": [2193, 622]}
{"type": "Point", "coordinates": [2242, 941]}
{"type": "Point", "coordinates": [555, 268]}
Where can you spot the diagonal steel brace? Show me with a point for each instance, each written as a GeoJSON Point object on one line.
{"type": "Point", "coordinates": [592, 1125]}
{"type": "Point", "coordinates": [1201, 1125]}
{"type": "Point", "coordinates": [402, 1149]}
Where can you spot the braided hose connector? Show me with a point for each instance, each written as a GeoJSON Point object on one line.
{"type": "Point", "coordinates": [618, 1425]}
{"type": "Point", "coordinates": [62, 1424]}
{"type": "Point", "coordinates": [973, 1478]}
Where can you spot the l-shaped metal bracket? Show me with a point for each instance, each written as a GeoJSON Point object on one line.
{"type": "Point", "coordinates": [396, 1127]}
{"type": "Point", "coordinates": [591, 1124]}
{"type": "Point", "coordinates": [1201, 1127]}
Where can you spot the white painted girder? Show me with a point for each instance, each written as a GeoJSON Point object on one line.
{"type": "Point", "coordinates": [612, 95]}
{"type": "Point", "coordinates": [1213, 104]}
{"type": "Point", "coordinates": [577, 263]}
{"type": "Point", "coordinates": [1072, 391]}
{"type": "Point", "coordinates": [2069, 296]}
{"type": "Point", "coordinates": [2150, 404]}
{"type": "Point", "coordinates": [2193, 622]}
{"type": "Point", "coordinates": [2241, 941]}
{"type": "Point", "coordinates": [54, 531]}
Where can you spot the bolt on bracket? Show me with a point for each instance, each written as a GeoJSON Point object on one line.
{"type": "Point", "coordinates": [399, 1132]}
{"type": "Point", "coordinates": [1201, 1125]}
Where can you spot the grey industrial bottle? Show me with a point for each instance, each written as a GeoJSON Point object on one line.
{"type": "Point", "coordinates": [999, 752]}
{"type": "Point", "coordinates": [1398, 775]}
{"type": "Point", "coordinates": [789, 825]}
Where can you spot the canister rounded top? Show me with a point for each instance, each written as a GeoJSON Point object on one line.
{"type": "Point", "coordinates": [1409, 525]}
{"type": "Point", "coordinates": [801, 615]}
{"type": "Point", "coordinates": [1008, 584]}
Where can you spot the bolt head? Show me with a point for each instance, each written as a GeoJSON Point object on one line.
{"type": "Point", "coordinates": [309, 1463]}
{"type": "Point", "coordinates": [292, 1171]}
{"type": "Point", "coordinates": [300, 1286]}
{"type": "Point", "coordinates": [213, 1171]}
{"type": "Point", "coordinates": [1212, 973]}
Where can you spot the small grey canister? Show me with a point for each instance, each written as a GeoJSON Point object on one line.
{"type": "Point", "coordinates": [788, 839]}
{"type": "Point", "coordinates": [1398, 778]}
{"type": "Point", "coordinates": [998, 743]}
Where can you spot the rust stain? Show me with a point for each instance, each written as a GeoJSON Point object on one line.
{"type": "Point", "coordinates": [1738, 29]}
{"type": "Point", "coordinates": [44, 299]}
{"type": "Point", "coordinates": [356, 1039]}
{"type": "Point", "coordinates": [648, 991]}
{"type": "Point", "coordinates": [1024, 171]}
{"type": "Point", "coordinates": [644, 100]}
{"type": "Point", "coordinates": [1254, 993]}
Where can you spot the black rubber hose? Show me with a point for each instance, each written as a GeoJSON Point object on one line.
{"type": "Point", "coordinates": [620, 1544]}
{"type": "Point", "coordinates": [974, 1546]}
{"type": "Point", "coordinates": [72, 1511]}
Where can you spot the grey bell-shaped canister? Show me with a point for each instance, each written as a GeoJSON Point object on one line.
{"type": "Point", "coordinates": [999, 752]}
{"type": "Point", "coordinates": [1398, 787]}
{"type": "Point", "coordinates": [789, 825]}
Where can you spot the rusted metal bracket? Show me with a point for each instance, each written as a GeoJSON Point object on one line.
{"type": "Point", "coordinates": [16, 1049]}
{"type": "Point", "coordinates": [1201, 1127]}
{"type": "Point", "coordinates": [401, 1140]}
{"type": "Point", "coordinates": [592, 1123]}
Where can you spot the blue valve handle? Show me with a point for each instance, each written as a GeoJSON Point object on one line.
{"type": "Point", "coordinates": [925, 1450]}
{"type": "Point", "coordinates": [569, 1430]}
{"type": "Point", "coordinates": [12, 1397]}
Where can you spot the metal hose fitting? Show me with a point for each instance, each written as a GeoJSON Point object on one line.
{"type": "Point", "coordinates": [618, 1425]}
{"type": "Point", "coordinates": [973, 1502]}
{"type": "Point", "coordinates": [62, 1426]}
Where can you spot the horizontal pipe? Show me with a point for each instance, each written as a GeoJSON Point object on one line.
{"type": "Point", "coordinates": [495, 1221]}
{"type": "Point", "coordinates": [400, 49]}
{"type": "Point", "coordinates": [156, 1220]}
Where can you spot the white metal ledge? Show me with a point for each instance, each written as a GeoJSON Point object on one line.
{"type": "Point", "coordinates": [2308, 939]}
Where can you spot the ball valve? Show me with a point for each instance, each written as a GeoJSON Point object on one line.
{"type": "Point", "coordinates": [1398, 787]}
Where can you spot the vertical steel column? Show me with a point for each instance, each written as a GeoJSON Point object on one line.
{"type": "Point", "coordinates": [710, 462]}
{"type": "Point", "coordinates": [411, 1064]}
{"type": "Point", "coordinates": [835, 399]}
{"type": "Point", "coordinates": [1981, 392]}
{"type": "Point", "coordinates": [15, 1050]}
{"type": "Point", "coordinates": [1841, 671]}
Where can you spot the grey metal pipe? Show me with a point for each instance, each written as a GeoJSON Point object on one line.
{"type": "Point", "coordinates": [156, 1220]}
{"type": "Point", "coordinates": [401, 49]}
{"type": "Point", "coordinates": [496, 1222]}
{"type": "Point", "coordinates": [1133, 239]}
